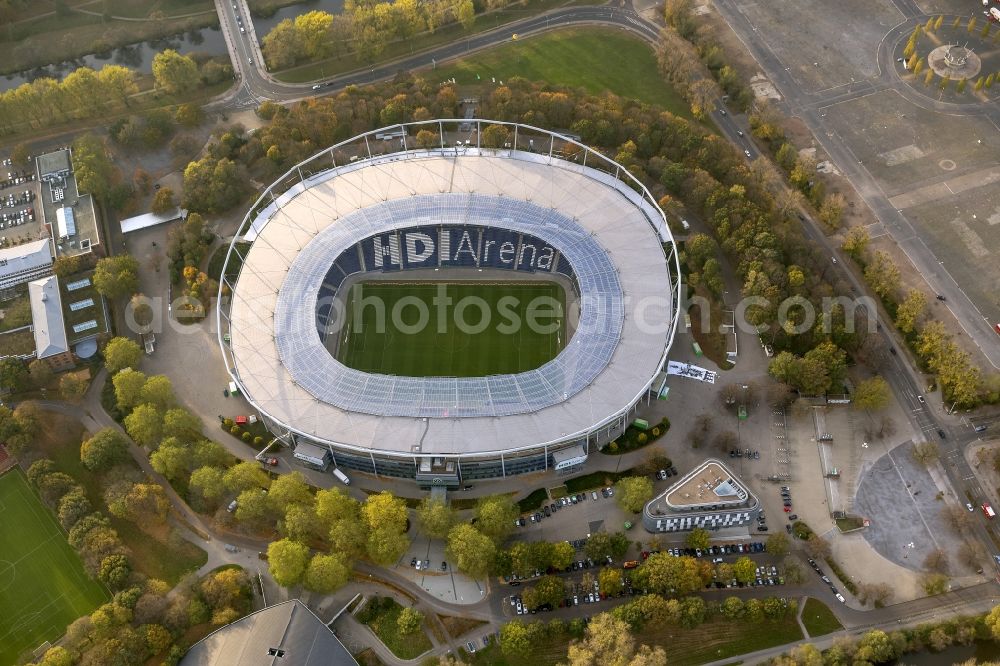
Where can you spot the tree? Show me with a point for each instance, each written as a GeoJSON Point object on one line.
{"type": "Point", "coordinates": [158, 392]}
{"type": "Point", "coordinates": [189, 115]}
{"type": "Point", "coordinates": [384, 511]}
{"type": "Point", "coordinates": [253, 508]}
{"type": "Point", "coordinates": [495, 516]}
{"type": "Point", "coordinates": [435, 517]}
{"type": "Point", "coordinates": [246, 475]}
{"type": "Point", "coordinates": [302, 524]}
{"type": "Point", "coordinates": [163, 201]}
{"type": "Point", "coordinates": [992, 622]}
{"type": "Point", "coordinates": [495, 136]}
{"type": "Point", "coordinates": [517, 639]}
{"type": "Point", "coordinates": [409, 621]}
{"type": "Point", "coordinates": [882, 275]}
{"type": "Point", "coordinates": [633, 492]}
{"type": "Point", "coordinates": [117, 276]}
{"type": "Point", "coordinates": [663, 573]}
{"type": "Point", "coordinates": [128, 385]}
{"type": "Point", "coordinates": [872, 393]}
{"type": "Point", "coordinates": [327, 573]}
{"type": "Point", "coordinates": [92, 166]}
{"type": "Point", "coordinates": [698, 538]}
{"type": "Point", "coordinates": [145, 425]}
{"type": "Point", "coordinates": [289, 489]}
{"type": "Point", "coordinates": [175, 73]}
{"type": "Point", "coordinates": [817, 547]}
{"type": "Point", "coordinates": [598, 546]}
{"type": "Point", "coordinates": [105, 449]}
{"type": "Point", "coordinates": [181, 424]}
{"type": "Point", "coordinates": [875, 647]}
{"type": "Point", "coordinates": [142, 503]}
{"type": "Point", "coordinates": [777, 544]}
{"type": "Point", "coordinates": [115, 571]}
{"type": "Point", "coordinates": [971, 553]}
{"type": "Point", "coordinates": [288, 560]}
{"type": "Point", "coordinates": [171, 459]}
{"type": "Point", "coordinates": [610, 581]}
{"type": "Point", "coordinates": [40, 372]}
{"type": "Point", "coordinates": [732, 608]}
{"type": "Point", "coordinates": [911, 311]}
{"type": "Point", "coordinates": [744, 570]}
{"type": "Point", "coordinates": [73, 506]}
{"type": "Point", "coordinates": [66, 266]}
{"type": "Point", "coordinates": [466, 14]}
{"type": "Point", "coordinates": [121, 353]}
{"type": "Point", "coordinates": [385, 546]}
{"type": "Point", "coordinates": [13, 374]}
{"type": "Point", "coordinates": [563, 555]}
{"type": "Point", "coordinates": [212, 185]}
{"type": "Point", "coordinates": [856, 242]}
{"type": "Point", "coordinates": [208, 483]}
{"type": "Point", "coordinates": [470, 550]}
{"type": "Point", "coordinates": [926, 453]}
{"type": "Point", "coordinates": [609, 641]}
{"type": "Point", "coordinates": [936, 561]}
{"type": "Point", "coordinates": [832, 210]}
{"type": "Point", "coordinates": [72, 387]}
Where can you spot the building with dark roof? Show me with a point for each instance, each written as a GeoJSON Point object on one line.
{"type": "Point", "coordinates": [286, 634]}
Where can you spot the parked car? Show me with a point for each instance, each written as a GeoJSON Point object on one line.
{"type": "Point", "coordinates": [793, 517]}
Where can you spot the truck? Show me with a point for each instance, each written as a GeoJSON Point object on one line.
{"type": "Point", "coordinates": [988, 511]}
{"type": "Point", "coordinates": [341, 476]}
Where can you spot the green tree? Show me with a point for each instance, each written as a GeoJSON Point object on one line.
{"type": "Point", "coordinates": [466, 14]}
{"type": "Point", "coordinates": [610, 581]}
{"type": "Point", "coordinates": [209, 484]}
{"type": "Point", "coordinates": [145, 504]}
{"type": "Point", "coordinates": [992, 622]}
{"type": "Point", "coordinates": [159, 392]}
{"type": "Point", "coordinates": [698, 538]}
{"type": "Point", "coordinates": [115, 571]}
{"type": "Point", "coordinates": [171, 459]}
{"type": "Point", "coordinates": [633, 492]}
{"type": "Point", "coordinates": [289, 489]}
{"type": "Point", "coordinates": [121, 353]}
{"type": "Point", "coordinates": [13, 374]}
{"type": "Point", "coordinates": [246, 475]}
{"type": "Point", "coordinates": [327, 573]}
{"type": "Point", "coordinates": [435, 517]}
{"type": "Point", "coordinates": [104, 450]}
{"type": "Point", "coordinates": [73, 506]}
{"type": "Point", "coordinates": [117, 276]}
{"type": "Point", "coordinates": [598, 546]}
{"type": "Point", "coordinates": [92, 166]}
{"type": "Point", "coordinates": [40, 372]}
{"type": "Point", "coordinates": [663, 573]}
{"type": "Point", "coordinates": [875, 647]}
{"type": "Point", "coordinates": [872, 393]}
{"type": "Point", "coordinates": [470, 550]}
{"type": "Point", "coordinates": [72, 387]}
{"type": "Point", "coordinates": [302, 524]}
{"type": "Point", "coordinates": [732, 608]}
{"type": "Point", "coordinates": [145, 425]}
{"type": "Point", "coordinates": [409, 621]}
{"type": "Point", "coordinates": [254, 508]}
{"type": "Point", "coordinates": [128, 385]}
{"type": "Point", "coordinates": [744, 569]}
{"type": "Point", "coordinates": [288, 561]}
{"type": "Point", "coordinates": [181, 424]}
{"type": "Point", "coordinates": [563, 555]}
{"type": "Point", "coordinates": [495, 516]}
{"type": "Point", "coordinates": [212, 185]}
{"type": "Point", "coordinates": [517, 639]}
{"type": "Point", "coordinates": [175, 73]}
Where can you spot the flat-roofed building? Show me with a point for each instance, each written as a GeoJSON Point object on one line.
{"type": "Point", "coordinates": [710, 496]}
{"type": "Point", "coordinates": [68, 213]}
{"type": "Point", "coordinates": [24, 263]}
{"type": "Point", "coordinates": [288, 634]}
{"type": "Point", "coordinates": [48, 326]}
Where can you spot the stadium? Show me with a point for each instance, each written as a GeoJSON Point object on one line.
{"type": "Point", "coordinates": [450, 300]}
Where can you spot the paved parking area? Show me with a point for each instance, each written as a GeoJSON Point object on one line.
{"type": "Point", "coordinates": [899, 497]}
{"type": "Point", "coordinates": [448, 585]}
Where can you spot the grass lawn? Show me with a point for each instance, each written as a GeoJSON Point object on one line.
{"type": "Point", "coordinates": [459, 626]}
{"type": "Point", "coordinates": [536, 499]}
{"type": "Point", "coordinates": [400, 344]}
{"type": "Point", "coordinates": [381, 615]}
{"type": "Point", "coordinates": [589, 58]}
{"type": "Point", "coordinates": [16, 313]}
{"type": "Point", "coordinates": [160, 557]}
{"type": "Point", "coordinates": [819, 619]}
{"type": "Point", "coordinates": [17, 343]}
{"type": "Point", "coordinates": [595, 480]}
{"type": "Point", "coordinates": [43, 586]}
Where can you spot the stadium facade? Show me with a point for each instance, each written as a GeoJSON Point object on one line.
{"type": "Point", "coordinates": [429, 202]}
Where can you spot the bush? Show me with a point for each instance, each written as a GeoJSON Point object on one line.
{"type": "Point", "coordinates": [246, 437]}
{"type": "Point", "coordinates": [235, 430]}
{"type": "Point", "coordinates": [227, 423]}
{"type": "Point", "coordinates": [258, 440]}
{"type": "Point", "coordinates": [642, 438]}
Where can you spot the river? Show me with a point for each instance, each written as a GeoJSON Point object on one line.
{"type": "Point", "coordinates": [135, 56]}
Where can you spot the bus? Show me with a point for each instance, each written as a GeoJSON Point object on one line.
{"type": "Point", "coordinates": [989, 512]}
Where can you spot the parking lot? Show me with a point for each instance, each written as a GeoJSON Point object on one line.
{"type": "Point", "coordinates": [18, 202]}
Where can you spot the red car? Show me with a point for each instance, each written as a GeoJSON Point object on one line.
{"type": "Point", "coordinates": [788, 509]}
{"type": "Point", "coordinates": [273, 462]}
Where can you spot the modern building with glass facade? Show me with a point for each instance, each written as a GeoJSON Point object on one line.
{"type": "Point", "coordinates": [430, 201]}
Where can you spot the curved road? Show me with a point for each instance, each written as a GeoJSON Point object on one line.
{"type": "Point", "coordinates": [256, 85]}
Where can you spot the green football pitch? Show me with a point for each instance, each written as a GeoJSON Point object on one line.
{"type": "Point", "coordinates": [442, 347]}
{"type": "Point", "coordinates": [43, 586]}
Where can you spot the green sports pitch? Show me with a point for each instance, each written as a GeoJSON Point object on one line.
{"type": "Point", "coordinates": [43, 586]}
{"type": "Point", "coordinates": [382, 329]}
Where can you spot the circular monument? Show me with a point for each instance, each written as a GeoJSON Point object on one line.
{"type": "Point", "coordinates": [954, 62]}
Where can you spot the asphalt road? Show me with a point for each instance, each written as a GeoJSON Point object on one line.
{"type": "Point", "coordinates": [811, 108]}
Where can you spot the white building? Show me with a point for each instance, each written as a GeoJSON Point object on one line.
{"type": "Point", "coordinates": [48, 325]}
{"type": "Point", "coordinates": [23, 263]}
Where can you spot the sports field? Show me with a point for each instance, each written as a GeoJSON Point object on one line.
{"type": "Point", "coordinates": [409, 328]}
{"type": "Point", "coordinates": [43, 586]}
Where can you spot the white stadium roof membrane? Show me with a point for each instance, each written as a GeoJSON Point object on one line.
{"type": "Point", "coordinates": [608, 232]}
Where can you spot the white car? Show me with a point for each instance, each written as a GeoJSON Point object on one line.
{"type": "Point", "coordinates": [969, 507]}
{"type": "Point", "coordinates": [841, 598]}
{"type": "Point", "coordinates": [317, 87]}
